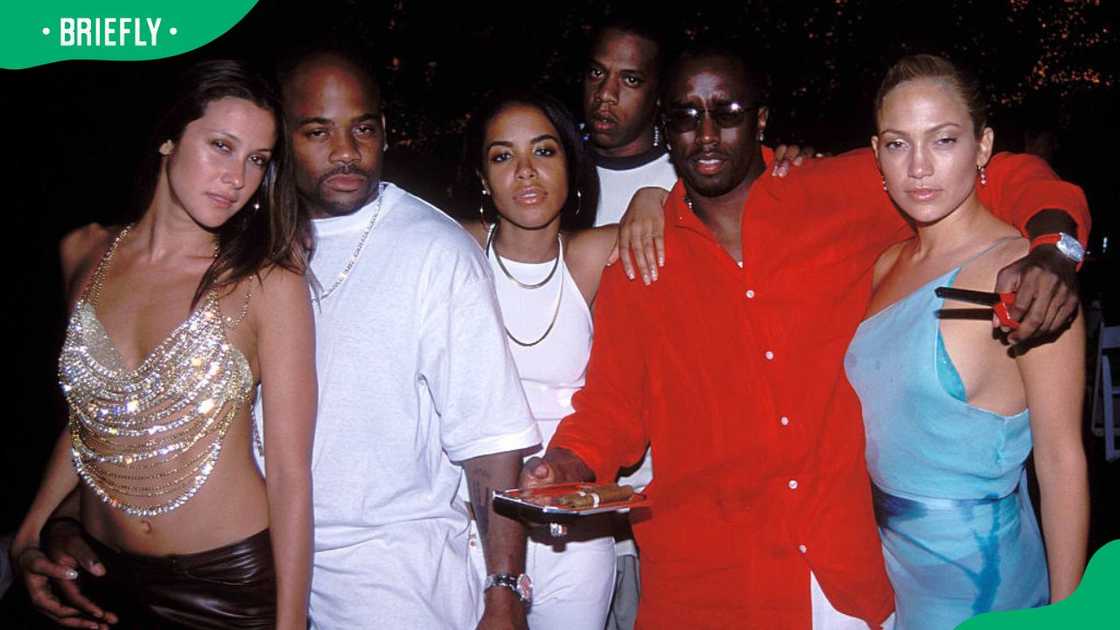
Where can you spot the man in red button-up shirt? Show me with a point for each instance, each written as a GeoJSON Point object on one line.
{"type": "Point", "coordinates": [730, 368]}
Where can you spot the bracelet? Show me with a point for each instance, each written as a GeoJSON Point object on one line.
{"type": "Point", "coordinates": [1066, 245]}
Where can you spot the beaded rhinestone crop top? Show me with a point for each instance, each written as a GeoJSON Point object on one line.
{"type": "Point", "coordinates": [147, 439]}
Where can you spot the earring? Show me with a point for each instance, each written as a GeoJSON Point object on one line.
{"type": "Point", "coordinates": [656, 135]}
{"type": "Point", "coordinates": [482, 205]}
{"type": "Point", "coordinates": [884, 178]}
{"type": "Point", "coordinates": [579, 201]}
{"type": "Point", "coordinates": [256, 206]}
{"type": "Point", "coordinates": [983, 175]}
{"type": "Point", "coordinates": [166, 148]}
{"type": "Point", "coordinates": [761, 134]}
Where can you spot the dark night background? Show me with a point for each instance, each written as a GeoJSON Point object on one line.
{"type": "Point", "coordinates": [74, 132]}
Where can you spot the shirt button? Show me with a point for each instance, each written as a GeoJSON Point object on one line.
{"type": "Point", "coordinates": [802, 548]}
{"type": "Point", "coordinates": [769, 355]}
{"type": "Point", "coordinates": [750, 293]}
{"type": "Point", "coordinates": [792, 484]}
{"type": "Point", "coordinates": [784, 420]}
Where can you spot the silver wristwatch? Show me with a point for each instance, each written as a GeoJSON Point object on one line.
{"type": "Point", "coordinates": [1069, 246]}
{"type": "Point", "coordinates": [522, 585]}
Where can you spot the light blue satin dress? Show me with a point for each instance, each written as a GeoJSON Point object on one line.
{"type": "Point", "coordinates": [959, 535]}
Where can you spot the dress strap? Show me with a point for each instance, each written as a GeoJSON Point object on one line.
{"type": "Point", "coordinates": [233, 322]}
{"type": "Point", "coordinates": [994, 244]}
{"type": "Point", "coordinates": [92, 292]}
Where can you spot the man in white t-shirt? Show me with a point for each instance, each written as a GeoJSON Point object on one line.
{"type": "Point", "coordinates": [415, 381]}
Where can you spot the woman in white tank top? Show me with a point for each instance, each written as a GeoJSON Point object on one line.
{"type": "Point", "coordinates": [538, 188]}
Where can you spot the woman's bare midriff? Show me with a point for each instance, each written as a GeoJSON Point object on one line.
{"type": "Point", "coordinates": [232, 505]}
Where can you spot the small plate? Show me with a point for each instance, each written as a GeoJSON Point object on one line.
{"type": "Point", "coordinates": [537, 504]}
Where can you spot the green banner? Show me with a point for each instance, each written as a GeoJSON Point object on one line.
{"type": "Point", "coordinates": [37, 32]}
{"type": "Point", "coordinates": [1092, 605]}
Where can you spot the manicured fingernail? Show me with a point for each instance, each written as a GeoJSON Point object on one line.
{"type": "Point", "coordinates": [71, 574]}
{"type": "Point", "coordinates": [654, 272]}
{"type": "Point", "coordinates": [630, 274]}
{"type": "Point", "coordinates": [645, 278]}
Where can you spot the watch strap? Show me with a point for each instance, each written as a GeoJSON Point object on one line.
{"type": "Point", "coordinates": [510, 581]}
{"type": "Point", "coordinates": [1046, 239]}
{"type": "Point", "coordinates": [1056, 239]}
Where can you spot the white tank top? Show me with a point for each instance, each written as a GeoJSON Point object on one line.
{"type": "Point", "coordinates": [552, 370]}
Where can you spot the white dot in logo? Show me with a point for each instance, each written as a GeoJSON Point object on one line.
{"type": "Point", "coordinates": [173, 31]}
{"type": "Point", "coordinates": [46, 30]}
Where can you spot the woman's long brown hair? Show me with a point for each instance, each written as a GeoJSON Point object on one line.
{"type": "Point", "coordinates": [270, 230]}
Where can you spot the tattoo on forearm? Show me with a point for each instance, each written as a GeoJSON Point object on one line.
{"type": "Point", "coordinates": [481, 497]}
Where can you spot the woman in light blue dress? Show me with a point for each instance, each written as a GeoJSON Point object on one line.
{"type": "Point", "coordinates": [950, 410]}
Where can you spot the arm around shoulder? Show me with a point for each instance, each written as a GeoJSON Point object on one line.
{"type": "Point", "coordinates": [1020, 186]}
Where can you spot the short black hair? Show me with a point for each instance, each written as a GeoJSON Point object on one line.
{"type": "Point", "coordinates": [757, 83]}
{"type": "Point", "coordinates": [345, 52]}
{"type": "Point", "coordinates": [641, 23]}
{"type": "Point", "coordinates": [583, 180]}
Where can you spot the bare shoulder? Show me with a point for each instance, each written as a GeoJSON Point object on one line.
{"type": "Point", "coordinates": [277, 286]}
{"type": "Point", "coordinates": [586, 256]}
{"type": "Point", "coordinates": [79, 252]}
{"type": "Point", "coordinates": [1005, 252]}
{"type": "Point", "coordinates": [593, 245]}
{"type": "Point", "coordinates": [885, 262]}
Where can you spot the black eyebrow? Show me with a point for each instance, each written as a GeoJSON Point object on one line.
{"type": "Point", "coordinates": [319, 120]}
{"type": "Point", "coordinates": [506, 143]}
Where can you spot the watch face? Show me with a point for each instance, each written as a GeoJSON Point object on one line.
{"type": "Point", "coordinates": [1070, 247]}
{"type": "Point", "coordinates": [525, 587]}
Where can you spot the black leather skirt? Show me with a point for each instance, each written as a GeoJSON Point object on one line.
{"type": "Point", "coordinates": [229, 587]}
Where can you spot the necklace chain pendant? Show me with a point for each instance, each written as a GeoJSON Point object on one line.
{"type": "Point", "coordinates": [353, 260]}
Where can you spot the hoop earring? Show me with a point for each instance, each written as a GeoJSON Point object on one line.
{"type": "Point", "coordinates": [983, 175]}
{"type": "Point", "coordinates": [579, 201]}
{"type": "Point", "coordinates": [482, 206]}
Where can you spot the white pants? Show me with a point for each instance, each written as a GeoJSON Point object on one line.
{"type": "Point", "coordinates": [825, 617]}
{"type": "Point", "coordinates": [572, 580]}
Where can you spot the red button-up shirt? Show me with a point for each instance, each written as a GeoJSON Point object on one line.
{"type": "Point", "coordinates": [734, 377]}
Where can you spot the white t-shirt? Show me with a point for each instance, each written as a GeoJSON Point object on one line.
{"type": "Point", "coordinates": [620, 178]}
{"type": "Point", "coordinates": [414, 374]}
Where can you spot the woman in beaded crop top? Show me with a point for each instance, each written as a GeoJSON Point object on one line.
{"type": "Point", "coordinates": [175, 320]}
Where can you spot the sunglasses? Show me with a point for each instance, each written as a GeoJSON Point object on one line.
{"type": "Point", "coordinates": [687, 119]}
